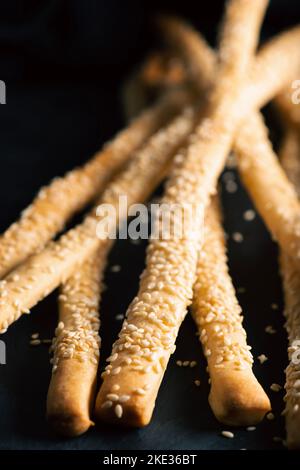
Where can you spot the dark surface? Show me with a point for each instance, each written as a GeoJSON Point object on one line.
{"type": "Point", "coordinates": [62, 103]}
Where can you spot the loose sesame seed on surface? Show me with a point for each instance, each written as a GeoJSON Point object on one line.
{"type": "Point", "coordinates": [237, 237]}
{"type": "Point", "coordinates": [251, 428]}
{"type": "Point", "coordinates": [275, 387]}
{"type": "Point", "coordinates": [249, 215]}
{"type": "Point", "coordinates": [227, 434]}
{"type": "Point", "coordinates": [197, 383]}
{"type": "Point", "coordinates": [116, 268]}
{"type": "Point", "coordinates": [262, 358]}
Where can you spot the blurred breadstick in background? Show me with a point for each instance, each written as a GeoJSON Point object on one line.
{"type": "Point", "coordinates": [147, 339]}
{"type": "Point", "coordinates": [56, 203]}
{"type": "Point", "coordinates": [290, 159]}
{"type": "Point", "coordinates": [272, 193]}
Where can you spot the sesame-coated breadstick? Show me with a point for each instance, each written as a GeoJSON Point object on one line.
{"type": "Point", "coordinates": [43, 272]}
{"type": "Point", "coordinates": [76, 349]}
{"type": "Point", "coordinates": [147, 339]}
{"type": "Point", "coordinates": [272, 193]}
{"type": "Point", "coordinates": [291, 283]}
{"type": "Point", "coordinates": [56, 203]}
{"type": "Point", "coordinates": [290, 159]}
{"type": "Point", "coordinates": [235, 396]}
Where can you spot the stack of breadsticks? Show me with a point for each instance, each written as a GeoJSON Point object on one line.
{"type": "Point", "coordinates": [207, 107]}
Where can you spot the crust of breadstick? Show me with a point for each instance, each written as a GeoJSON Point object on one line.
{"type": "Point", "coordinates": [290, 159]}
{"type": "Point", "coordinates": [236, 397]}
{"type": "Point", "coordinates": [43, 272]}
{"type": "Point", "coordinates": [272, 193]}
{"type": "Point", "coordinates": [147, 338]}
{"type": "Point", "coordinates": [56, 203]}
{"type": "Point", "coordinates": [76, 349]}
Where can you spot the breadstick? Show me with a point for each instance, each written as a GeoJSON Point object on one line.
{"type": "Point", "coordinates": [43, 272]}
{"type": "Point", "coordinates": [147, 338]}
{"type": "Point", "coordinates": [56, 203]}
{"type": "Point", "coordinates": [290, 159]}
{"type": "Point", "coordinates": [273, 195]}
{"type": "Point", "coordinates": [76, 349]}
{"type": "Point", "coordinates": [236, 397]}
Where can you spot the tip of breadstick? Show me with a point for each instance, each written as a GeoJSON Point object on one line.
{"type": "Point", "coordinates": [135, 413]}
{"type": "Point", "coordinates": [68, 424]}
{"type": "Point", "coordinates": [237, 398]}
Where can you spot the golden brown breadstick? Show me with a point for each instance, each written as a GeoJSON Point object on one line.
{"type": "Point", "coordinates": [290, 159]}
{"type": "Point", "coordinates": [42, 273]}
{"type": "Point", "coordinates": [147, 338]}
{"type": "Point", "coordinates": [236, 397]}
{"type": "Point", "coordinates": [76, 349]}
{"type": "Point", "coordinates": [56, 203]}
{"type": "Point", "coordinates": [257, 162]}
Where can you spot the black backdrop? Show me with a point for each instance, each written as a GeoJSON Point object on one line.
{"type": "Point", "coordinates": [63, 63]}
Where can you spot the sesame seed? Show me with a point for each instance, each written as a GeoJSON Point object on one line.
{"type": "Point", "coordinates": [249, 215]}
{"type": "Point", "coordinates": [275, 387]}
{"type": "Point", "coordinates": [262, 358]}
{"type": "Point", "coordinates": [116, 371]}
{"type": "Point", "coordinates": [115, 268]}
{"type": "Point", "coordinates": [237, 237]}
{"type": "Point", "coordinates": [107, 404]}
{"type": "Point", "coordinates": [270, 330]}
{"type": "Point", "coordinates": [270, 416]}
{"type": "Point", "coordinates": [35, 342]}
{"type": "Point", "coordinates": [112, 396]}
{"type": "Point", "coordinates": [251, 428]}
{"type": "Point", "coordinates": [227, 434]}
{"type": "Point", "coordinates": [118, 411]}
{"type": "Point", "coordinates": [193, 364]}
{"type": "Point", "coordinates": [35, 335]}
{"type": "Point", "coordinates": [197, 383]}
{"type": "Point", "coordinates": [124, 398]}
{"type": "Point", "coordinates": [119, 317]}
{"type": "Point", "coordinates": [186, 363]}
{"type": "Point", "coordinates": [231, 186]}
{"type": "Point", "coordinates": [179, 363]}
{"type": "Point", "coordinates": [140, 391]}
{"type": "Point", "coordinates": [115, 387]}
{"type": "Point", "coordinates": [274, 306]}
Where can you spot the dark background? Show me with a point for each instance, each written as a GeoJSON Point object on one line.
{"type": "Point", "coordinates": [64, 63]}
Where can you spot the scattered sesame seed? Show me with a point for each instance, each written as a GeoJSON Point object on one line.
{"type": "Point", "coordinates": [119, 317]}
{"type": "Point", "coordinates": [237, 237]}
{"type": "Point", "coordinates": [274, 306]}
{"type": "Point", "coordinates": [35, 342]}
{"type": "Point", "coordinates": [270, 416]}
{"type": "Point", "coordinates": [112, 397]}
{"type": "Point", "coordinates": [275, 387]}
{"type": "Point", "coordinates": [193, 364]}
{"type": "Point", "coordinates": [124, 398]}
{"type": "Point", "coordinates": [270, 330]}
{"type": "Point", "coordinates": [249, 215]}
{"type": "Point", "coordinates": [186, 363]}
{"type": "Point", "coordinates": [262, 358]}
{"type": "Point", "coordinates": [197, 383]}
{"type": "Point", "coordinates": [35, 335]}
{"type": "Point", "coordinates": [116, 268]}
{"type": "Point", "coordinates": [115, 387]}
{"type": "Point", "coordinates": [231, 186]}
{"type": "Point", "coordinates": [251, 428]}
{"type": "Point", "coordinates": [227, 434]}
{"type": "Point", "coordinates": [179, 363]}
